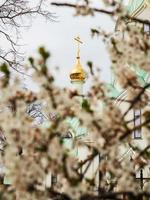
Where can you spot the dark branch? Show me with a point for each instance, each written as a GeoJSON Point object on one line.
{"type": "Point", "coordinates": [111, 13]}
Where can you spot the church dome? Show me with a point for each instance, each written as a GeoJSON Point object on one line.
{"type": "Point", "coordinates": [77, 74]}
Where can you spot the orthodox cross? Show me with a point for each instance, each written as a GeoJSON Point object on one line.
{"type": "Point", "coordinates": [77, 39]}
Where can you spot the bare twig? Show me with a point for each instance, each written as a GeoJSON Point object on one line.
{"type": "Point", "coordinates": [12, 15]}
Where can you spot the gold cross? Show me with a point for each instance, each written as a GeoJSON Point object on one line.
{"type": "Point", "coordinates": [77, 39]}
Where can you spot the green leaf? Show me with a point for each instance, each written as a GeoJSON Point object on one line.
{"type": "Point", "coordinates": [31, 60]}
{"type": "Point", "coordinates": [5, 70]}
{"type": "Point", "coordinates": [90, 65]}
{"type": "Point", "coordinates": [45, 54]}
{"type": "Point", "coordinates": [86, 106]}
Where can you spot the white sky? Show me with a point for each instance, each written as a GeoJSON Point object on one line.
{"type": "Point", "coordinates": [57, 37]}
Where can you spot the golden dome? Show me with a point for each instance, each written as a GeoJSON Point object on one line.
{"type": "Point", "coordinates": [77, 74]}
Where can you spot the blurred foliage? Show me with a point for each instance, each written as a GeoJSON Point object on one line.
{"type": "Point", "coordinates": [86, 106]}
{"type": "Point", "coordinates": [146, 115]}
{"type": "Point", "coordinates": [41, 65]}
{"type": "Point", "coordinates": [5, 70]}
{"type": "Point", "coordinates": [44, 54]}
{"type": "Point", "coordinates": [90, 65]}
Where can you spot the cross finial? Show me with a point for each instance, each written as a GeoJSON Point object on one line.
{"type": "Point", "coordinates": [78, 40]}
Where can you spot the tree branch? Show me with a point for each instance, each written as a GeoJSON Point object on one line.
{"type": "Point", "coordinates": [111, 13]}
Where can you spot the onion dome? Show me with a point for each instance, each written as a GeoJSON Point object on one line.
{"type": "Point", "coordinates": [77, 73]}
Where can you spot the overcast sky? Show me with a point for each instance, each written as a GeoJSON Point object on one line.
{"type": "Point", "coordinates": [57, 37]}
